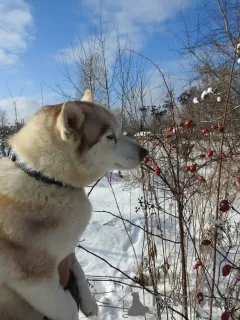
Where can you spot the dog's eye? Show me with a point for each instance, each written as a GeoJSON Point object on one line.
{"type": "Point", "coordinates": [111, 137]}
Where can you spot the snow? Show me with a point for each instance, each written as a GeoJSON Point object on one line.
{"type": "Point", "coordinates": [106, 237]}
{"type": "Point", "coordinates": [204, 94]}
{"type": "Point", "coordinates": [238, 61]}
{"type": "Point", "coordinates": [195, 100]}
{"type": "Point", "coordinates": [219, 99]}
{"type": "Point", "coordinates": [142, 134]}
{"type": "Point", "coordinates": [218, 223]}
{"type": "Point", "coordinates": [210, 90]}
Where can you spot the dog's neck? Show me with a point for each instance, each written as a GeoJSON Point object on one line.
{"type": "Point", "coordinates": [38, 175]}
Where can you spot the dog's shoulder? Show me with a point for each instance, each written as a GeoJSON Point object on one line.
{"type": "Point", "coordinates": [32, 209]}
{"type": "Point", "coordinates": [38, 201]}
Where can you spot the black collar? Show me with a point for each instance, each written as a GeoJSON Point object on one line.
{"type": "Point", "coordinates": [33, 172]}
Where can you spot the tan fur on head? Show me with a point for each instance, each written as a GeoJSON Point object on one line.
{"type": "Point", "coordinates": [88, 96]}
{"type": "Point", "coordinates": [70, 120]}
{"type": "Point", "coordinates": [57, 140]}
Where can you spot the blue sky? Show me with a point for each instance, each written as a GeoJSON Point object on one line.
{"type": "Point", "coordinates": [33, 33]}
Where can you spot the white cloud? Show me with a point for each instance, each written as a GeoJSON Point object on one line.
{"type": "Point", "coordinates": [133, 16]}
{"type": "Point", "coordinates": [133, 19]}
{"type": "Point", "coordinates": [176, 76]}
{"type": "Point", "coordinates": [142, 11]}
{"type": "Point", "coordinates": [8, 59]}
{"type": "Point", "coordinates": [26, 108]}
{"type": "Point", "coordinates": [15, 24]}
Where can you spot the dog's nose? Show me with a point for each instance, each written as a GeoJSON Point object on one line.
{"type": "Point", "coordinates": [142, 153]}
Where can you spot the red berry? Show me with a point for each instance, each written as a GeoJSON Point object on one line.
{"type": "Point", "coordinates": [223, 154]}
{"type": "Point", "coordinates": [204, 131]}
{"type": "Point", "coordinates": [170, 129]}
{"type": "Point", "coordinates": [226, 270]}
{"type": "Point", "coordinates": [187, 168]}
{"type": "Point", "coordinates": [221, 129]}
{"type": "Point", "coordinates": [146, 159]}
{"type": "Point", "coordinates": [213, 126]}
{"type": "Point", "coordinates": [202, 155]}
{"type": "Point", "coordinates": [157, 170]}
{"type": "Point", "coordinates": [187, 123]}
{"type": "Point", "coordinates": [193, 167]}
{"type": "Point", "coordinates": [225, 315]}
{"type": "Point", "coordinates": [200, 297]}
{"type": "Point", "coordinates": [191, 145]}
{"type": "Point", "coordinates": [210, 153]}
{"type": "Point", "coordinates": [238, 179]}
{"type": "Point", "coordinates": [201, 178]}
{"type": "Point", "coordinates": [206, 242]}
{"type": "Point", "coordinates": [197, 264]}
{"type": "Point", "coordinates": [224, 206]}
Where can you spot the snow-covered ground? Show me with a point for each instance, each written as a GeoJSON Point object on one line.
{"type": "Point", "coordinates": [113, 240]}
{"type": "Point", "coordinates": [106, 237]}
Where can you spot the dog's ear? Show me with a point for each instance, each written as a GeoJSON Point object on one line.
{"type": "Point", "coordinates": [70, 120]}
{"type": "Point", "coordinates": [88, 96]}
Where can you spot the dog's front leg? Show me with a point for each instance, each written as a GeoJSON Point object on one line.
{"type": "Point", "coordinates": [88, 304]}
{"type": "Point", "coordinates": [48, 297]}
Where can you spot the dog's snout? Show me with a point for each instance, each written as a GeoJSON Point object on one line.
{"type": "Point", "coordinates": [142, 153]}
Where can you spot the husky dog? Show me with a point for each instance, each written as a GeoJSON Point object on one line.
{"type": "Point", "coordinates": [44, 208]}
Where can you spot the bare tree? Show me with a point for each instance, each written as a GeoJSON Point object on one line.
{"type": "Point", "coordinates": [210, 41]}
{"type": "Point", "coordinates": [3, 118]}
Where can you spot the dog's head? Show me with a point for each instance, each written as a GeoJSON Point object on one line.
{"type": "Point", "coordinates": [76, 142]}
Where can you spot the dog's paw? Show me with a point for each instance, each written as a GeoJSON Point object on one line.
{"type": "Point", "coordinates": [89, 307]}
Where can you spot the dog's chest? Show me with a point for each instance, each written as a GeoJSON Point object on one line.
{"type": "Point", "coordinates": [53, 227]}
{"type": "Point", "coordinates": [74, 216]}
